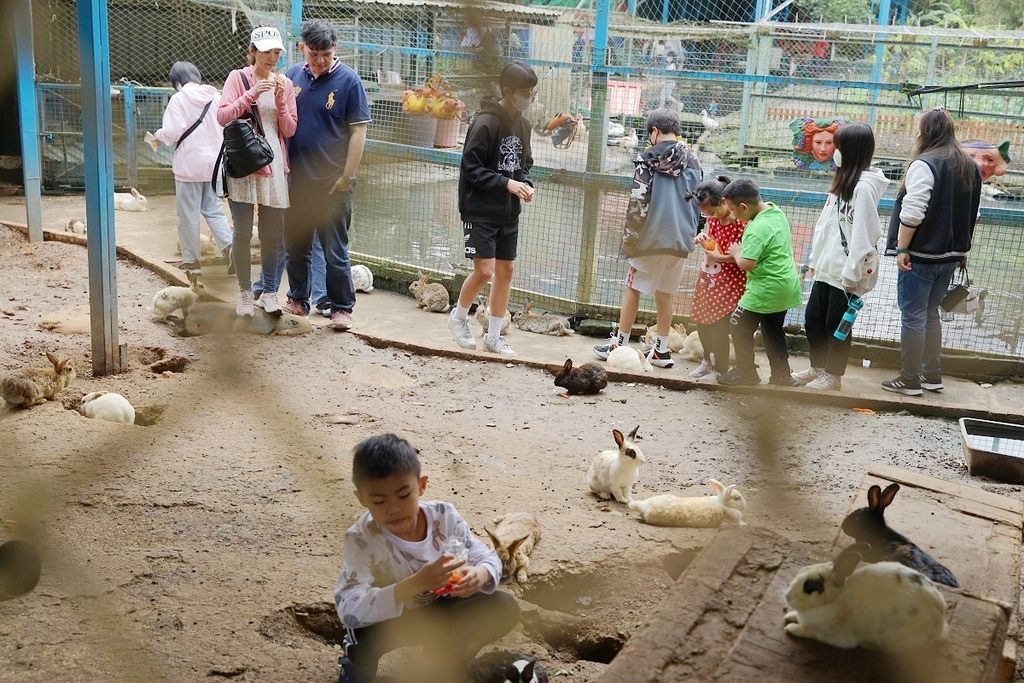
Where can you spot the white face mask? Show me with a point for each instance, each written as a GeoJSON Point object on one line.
{"type": "Point", "coordinates": [837, 158]}
{"type": "Point", "coordinates": [521, 103]}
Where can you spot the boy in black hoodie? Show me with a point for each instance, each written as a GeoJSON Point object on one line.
{"type": "Point", "coordinates": [494, 179]}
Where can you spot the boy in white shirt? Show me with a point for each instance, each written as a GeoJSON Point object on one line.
{"type": "Point", "coordinates": [394, 566]}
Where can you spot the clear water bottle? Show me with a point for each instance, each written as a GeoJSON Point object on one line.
{"type": "Point", "coordinates": [853, 307]}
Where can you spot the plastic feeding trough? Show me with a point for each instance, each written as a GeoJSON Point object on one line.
{"type": "Point", "coordinates": [994, 449]}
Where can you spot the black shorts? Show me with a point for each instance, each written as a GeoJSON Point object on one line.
{"type": "Point", "coordinates": [490, 240]}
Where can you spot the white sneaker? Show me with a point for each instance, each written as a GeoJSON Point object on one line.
{"type": "Point", "coordinates": [460, 332]}
{"type": "Point", "coordinates": [268, 302]}
{"type": "Point", "coordinates": [808, 375]}
{"type": "Point", "coordinates": [826, 382]}
{"type": "Point", "coordinates": [244, 305]}
{"type": "Point", "coordinates": [705, 369]}
{"type": "Point", "coordinates": [497, 345]}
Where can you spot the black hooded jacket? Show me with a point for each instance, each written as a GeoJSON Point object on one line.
{"type": "Point", "coordinates": [497, 148]}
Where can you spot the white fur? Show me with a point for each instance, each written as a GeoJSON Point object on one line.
{"type": "Point", "coordinates": [362, 278]}
{"type": "Point", "coordinates": [170, 299]}
{"type": "Point", "coordinates": [883, 606]}
{"type": "Point", "coordinates": [76, 226]}
{"type": "Point", "coordinates": [629, 359]}
{"type": "Point", "coordinates": [130, 201]}
{"type": "Point", "coordinates": [691, 348]}
{"type": "Point", "coordinates": [612, 472]}
{"type": "Point", "coordinates": [706, 512]}
{"type": "Point", "coordinates": [676, 338]}
{"type": "Point", "coordinates": [103, 405]}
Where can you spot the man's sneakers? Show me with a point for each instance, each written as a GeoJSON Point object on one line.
{"type": "Point", "coordinates": [293, 307]}
{"type": "Point", "coordinates": [807, 376]}
{"type": "Point", "coordinates": [341, 321]}
{"type": "Point", "coordinates": [931, 383]}
{"type": "Point", "coordinates": [704, 370]}
{"type": "Point", "coordinates": [825, 381]}
{"type": "Point", "coordinates": [735, 378]}
{"type": "Point", "coordinates": [324, 308]}
{"type": "Point", "coordinates": [268, 302]}
{"type": "Point", "coordinates": [604, 350]}
{"type": "Point", "coordinates": [461, 333]}
{"type": "Point", "coordinates": [244, 305]}
{"type": "Point", "coordinates": [908, 386]}
{"type": "Point", "coordinates": [497, 345]}
{"type": "Point", "coordinates": [660, 359]}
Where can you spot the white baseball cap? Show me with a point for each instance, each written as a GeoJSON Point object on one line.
{"type": "Point", "coordinates": [266, 38]}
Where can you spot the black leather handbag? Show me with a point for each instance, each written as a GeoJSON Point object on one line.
{"type": "Point", "coordinates": [245, 149]}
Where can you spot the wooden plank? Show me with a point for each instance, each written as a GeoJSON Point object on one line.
{"type": "Point", "coordinates": [977, 536]}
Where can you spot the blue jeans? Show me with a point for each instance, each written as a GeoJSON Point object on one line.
{"type": "Point", "coordinates": [316, 214]}
{"type": "Point", "coordinates": [919, 293]}
{"type": "Point", "coordinates": [271, 252]}
{"type": "Point", "coordinates": [317, 273]}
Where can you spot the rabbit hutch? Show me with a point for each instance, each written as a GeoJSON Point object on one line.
{"type": "Point", "coordinates": [397, 45]}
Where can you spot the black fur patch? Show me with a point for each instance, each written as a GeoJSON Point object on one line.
{"type": "Point", "coordinates": [814, 586]}
{"type": "Point", "coordinates": [631, 453]}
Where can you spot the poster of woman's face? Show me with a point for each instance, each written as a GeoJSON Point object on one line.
{"type": "Point", "coordinates": [814, 142]}
{"type": "Point", "coordinates": [992, 159]}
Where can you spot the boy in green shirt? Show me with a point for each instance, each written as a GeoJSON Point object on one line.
{"type": "Point", "coordinates": [773, 286]}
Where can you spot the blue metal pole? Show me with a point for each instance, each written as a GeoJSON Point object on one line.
{"type": "Point", "coordinates": [128, 93]}
{"type": "Point", "coordinates": [28, 118]}
{"type": "Point", "coordinates": [97, 139]}
{"type": "Point", "coordinates": [631, 7]}
{"type": "Point", "coordinates": [296, 27]}
{"type": "Point", "coordinates": [876, 68]}
{"type": "Point", "coordinates": [664, 11]}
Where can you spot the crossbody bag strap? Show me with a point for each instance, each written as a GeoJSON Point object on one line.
{"type": "Point", "coordinates": [839, 223]}
{"type": "Point", "coordinates": [193, 126]}
{"type": "Point", "coordinates": [254, 113]}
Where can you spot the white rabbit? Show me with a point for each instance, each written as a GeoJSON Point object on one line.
{"type": "Point", "coordinates": [76, 226]}
{"type": "Point", "coordinates": [613, 472]}
{"type": "Point", "coordinates": [130, 201]}
{"type": "Point", "coordinates": [104, 405]}
{"type": "Point", "coordinates": [706, 512]}
{"type": "Point", "coordinates": [362, 278]}
{"type": "Point", "coordinates": [692, 349]}
{"type": "Point", "coordinates": [676, 337]}
{"type": "Point", "coordinates": [883, 606]}
{"type": "Point", "coordinates": [170, 299]}
{"type": "Point", "coordinates": [629, 359]}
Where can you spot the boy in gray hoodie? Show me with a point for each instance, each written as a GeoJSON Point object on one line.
{"type": "Point", "coordinates": [661, 222]}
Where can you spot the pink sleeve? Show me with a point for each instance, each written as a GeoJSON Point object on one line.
{"type": "Point", "coordinates": [234, 102]}
{"type": "Point", "coordinates": [287, 114]}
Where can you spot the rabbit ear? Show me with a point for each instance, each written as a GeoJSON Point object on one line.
{"type": "Point", "coordinates": [846, 563]}
{"type": "Point", "coordinates": [728, 491]}
{"type": "Point", "coordinates": [617, 435]}
{"type": "Point", "coordinates": [494, 539]}
{"type": "Point", "coordinates": [135, 193]}
{"type": "Point", "coordinates": [514, 545]}
{"type": "Point", "coordinates": [567, 366]}
{"type": "Point", "coordinates": [511, 673]}
{"type": "Point", "coordinates": [53, 359]}
{"type": "Point", "coordinates": [873, 494]}
{"type": "Point", "coordinates": [716, 486]}
{"type": "Point", "coordinates": [632, 434]}
{"type": "Point", "coordinates": [887, 496]}
{"type": "Point", "coordinates": [527, 674]}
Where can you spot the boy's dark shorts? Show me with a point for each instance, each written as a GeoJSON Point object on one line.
{"type": "Point", "coordinates": [490, 240]}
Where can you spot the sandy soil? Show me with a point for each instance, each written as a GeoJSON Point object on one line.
{"type": "Point", "coordinates": [207, 544]}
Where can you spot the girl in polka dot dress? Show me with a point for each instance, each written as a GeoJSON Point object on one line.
{"type": "Point", "coordinates": [720, 282]}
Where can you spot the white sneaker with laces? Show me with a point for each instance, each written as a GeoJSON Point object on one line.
{"type": "Point", "coordinates": [268, 302]}
{"type": "Point", "coordinates": [825, 382]}
{"type": "Point", "coordinates": [705, 369]}
{"type": "Point", "coordinates": [244, 305]}
{"type": "Point", "coordinates": [808, 375]}
{"type": "Point", "coordinates": [497, 345]}
{"type": "Point", "coordinates": [460, 332]}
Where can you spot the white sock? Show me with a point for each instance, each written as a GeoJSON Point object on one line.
{"type": "Point", "coordinates": [661, 345]}
{"type": "Point", "coordinates": [494, 326]}
{"type": "Point", "coordinates": [622, 338]}
{"type": "Point", "coordinates": [460, 312]}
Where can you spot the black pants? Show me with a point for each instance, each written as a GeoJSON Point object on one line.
{"type": "Point", "coordinates": [825, 308]}
{"type": "Point", "coordinates": [743, 325]}
{"type": "Point", "coordinates": [714, 337]}
{"type": "Point", "coordinates": [452, 628]}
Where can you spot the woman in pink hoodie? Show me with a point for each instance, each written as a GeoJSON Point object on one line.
{"type": "Point", "coordinates": [274, 97]}
{"type": "Point", "coordinates": [190, 126]}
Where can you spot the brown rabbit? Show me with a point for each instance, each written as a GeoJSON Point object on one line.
{"type": "Point", "coordinates": [431, 296]}
{"type": "Point", "coordinates": [31, 386]}
{"type": "Point", "coordinates": [513, 540]}
{"type": "Point", "coordinates": [541, 323]}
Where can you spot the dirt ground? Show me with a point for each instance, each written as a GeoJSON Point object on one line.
{"type": "Point", "coordinates": [207, 545]}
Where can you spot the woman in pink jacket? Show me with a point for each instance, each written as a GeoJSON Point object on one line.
{"type": "Point", "coordinates": [190, 126]}
{"type": "Point", "coordinates": [274, 97]}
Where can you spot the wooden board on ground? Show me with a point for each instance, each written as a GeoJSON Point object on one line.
{"type": "Point", "coordinates": [975, 533]}
{"type": "Point", "coordinates": [723, 621]}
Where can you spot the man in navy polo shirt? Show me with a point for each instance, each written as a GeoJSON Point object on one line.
{"type": "Point", "coordinates": [324, 155]}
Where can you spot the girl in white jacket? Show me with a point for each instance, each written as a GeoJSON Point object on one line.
{"type": "Point", "coordinates": [196, 105]}
{"type": "Point", "coordinates": [843, 259]}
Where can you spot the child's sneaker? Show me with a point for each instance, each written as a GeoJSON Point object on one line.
{"type": "Point", "coordinates": [604, 350]}
{"type": "Point", "coordinates": [461, 333]}
{"type": "Point", "coordinates": [324, 308]}
{"type": "Point", "coordinates": [825, 382]}
{"type": "Point", "coordinates": [908, 386]}
{"type": "Point", "coordinates": [244, 305]}
{"type": "Point", "coordinates": [705, 369]}
{"type": "Point", "coordinates": [735, 378]}
{"type": "Point", "coordinates": [807, 376]}
{"type": "Point", "coordinates": [661, 359]}
{"type": "Point", "coordinates": [497, 345]}
{"type": "Point", "coordinates": [268, 302]}
{"type": "Point", "coordinates": [931, 383]}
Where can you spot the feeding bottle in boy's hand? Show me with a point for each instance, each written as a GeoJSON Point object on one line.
{"type": "Point", "coordinates": [457, 549]}
{"type": "Point", "coordinates": [849, 317]}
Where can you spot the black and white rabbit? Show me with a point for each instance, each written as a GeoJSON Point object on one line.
{"type": "Point", "coordinates": [501, 666]}
{"type": "Point", "coordinates": [867, 525]}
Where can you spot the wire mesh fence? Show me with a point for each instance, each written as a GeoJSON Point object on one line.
{"type": "Point", "coordinates": [751, 98]}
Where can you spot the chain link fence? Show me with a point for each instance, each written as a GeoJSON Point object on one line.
{"type": "Point", "coordinates": [741, 91]}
